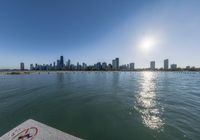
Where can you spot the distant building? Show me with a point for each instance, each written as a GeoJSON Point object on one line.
{"type": "Point", "coordinates": [21, 66]}
{"type": "Point", "coordinates": [61, 62]}
{"type": "Point", "coordinates": [31, 67]}
{"type": "Point", "coordinates": [58, 65]}
{"type": "Point", "coordinates": [78, 66]}
{"type": "Point", "coordinates": [187, 68]}
{"type": "Point", "coordinates": [166, 64]}
{"type": "Point", "coordinates": [68, 64]}
{"type": "Point", "coordinates": [98, 66]}
{"type": "Point", "coordinates": [152, 65]}
{"type": "Point", "coordinates": [54, 64]}
{"type": "Point", "coordinates": [84, 66]}
{"type": "Point", "coordinates": [173, 66]}
{"type": "Point", "coordinates": [36, 66]}
{"type": "Point", "coordinates": [132, 66]}
{"type": "Point", "coordinates": [115, 64]}
{"type": "Point", "coordinates": [123, 67]}
{"type": "Point", "coordinates": [109, 67]}
{"type": "Point", "coordinates": [104, 65]}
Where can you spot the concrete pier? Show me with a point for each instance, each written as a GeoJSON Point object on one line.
{"type": "Point", "coordinates": [33, 130]}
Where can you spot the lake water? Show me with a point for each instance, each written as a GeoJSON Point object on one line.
{"type": "Point", "coordinates": [105, 105]}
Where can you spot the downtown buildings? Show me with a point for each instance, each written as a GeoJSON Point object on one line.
{"type": "Point", "coordinates": [61, 64]}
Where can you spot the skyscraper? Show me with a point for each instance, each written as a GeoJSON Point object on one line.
{"type": "Point", "coordinates": [58, 64]}
{"type": "Point", "coordinates": [31, 67]}
{"type": "Point", "coordinates": [54, 65]}
{"type": "Point", "coordinates": [104, 65]}
{"type": "Point", "coordinates": [61, 62]}
{"type": "Point", "coordinates": [21, 66]}
{"type": "Point", "coordinates": [84, 66]}
{"type": "Point", "coordinates": [115, 64]}
{"type": "Point", "coordinates": [166, 64]}
{"type": "Point", "coordinates": [152, 65]}
{"type": "Point", "coordinates": [68, 64]}
{"type": "Point", "coordinates": [132, 66]}
{"type": "Point", "coordinates": [98, 65]}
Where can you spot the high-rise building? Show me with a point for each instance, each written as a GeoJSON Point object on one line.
{"type": "Point", "coordinates": [58, 64]}
{"type": "Point", "coordinates": [173, 66]}
{"type": "Point", "coordinates": [115, 64]}
{"type": "Point", "coordinates": [132, 66]}
{"type": "Point", "coordinates": [166, 64]}
{"type": "Point", "coordinates": [104, 65]}
{"type": "Point", "coordinates": [36, 66]}
{"type": "Point", "coordinates": [78, 66]}
{"type": "Point", "coordinates": [84, 66]}
{"type": "Point", "coordinates": [31, 67]}
{"type": "Point", "coordinates": [98, 66]}
{"type": "Point", "coordinates": [21, 66]}
{"type": "Point", "coordinates": [152, 65]}
{"type": "Point", "coordinates": [61, 62]}
{"type": "Point", "coordinates": [68, 64]}
{"type": "Point", "coordinates": [109, 67]}
{"type": "Point", "coordinates": [54, 65]}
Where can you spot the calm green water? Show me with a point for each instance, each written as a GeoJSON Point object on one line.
{"type": "Point", "coordinates": [105, 105]}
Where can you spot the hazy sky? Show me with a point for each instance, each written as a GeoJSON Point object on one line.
{"type": "Point", "coordinates": [99, 30]}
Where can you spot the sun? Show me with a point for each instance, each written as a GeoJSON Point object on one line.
{"type": "Point", "coordinates": [147, 44]}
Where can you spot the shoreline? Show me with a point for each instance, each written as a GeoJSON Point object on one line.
{"type": "Point", "coordinates": [49, 72]}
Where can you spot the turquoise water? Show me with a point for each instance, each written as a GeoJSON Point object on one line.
{"type": "Point", "coordinates": [105, 105]}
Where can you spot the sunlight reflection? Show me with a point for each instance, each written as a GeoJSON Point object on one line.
{"type": "Point", "coordinates": [146, 102]}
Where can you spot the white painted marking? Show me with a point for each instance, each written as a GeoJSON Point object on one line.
{"type": "Point", "coordinates": [33, 130]}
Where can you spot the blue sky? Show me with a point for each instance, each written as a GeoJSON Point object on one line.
{"type": "Point", "coordinates": [39, 31]}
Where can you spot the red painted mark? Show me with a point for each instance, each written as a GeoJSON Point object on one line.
{"type": "Point", "coordinates": [26, 134]}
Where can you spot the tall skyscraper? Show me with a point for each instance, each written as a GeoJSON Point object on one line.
{"type": "Point", "coordinates": [58, 64]}
{"type": "Point", "coordinates": [31, 67]}
{"type": "Point", "coordinates": [152, 65]}
{"type": "Point", "coordinates": [115, 64]}
{"type": "Point", "coordinates": [104, 65]}
{"type": "Point", "coordinates": [54, 65]}
{"type": "Point", "coordinates": [68, 64]}
{"type": "Point", "coordinates": [84, 66]}
{"type": "Point", "coordinates": [78, 66]}
{"type": "Point", "coordinates": [132, 66]}
{"type": "Point", "coordinates": [61, 62]}
{"type": "Point", "coordinates": [98, 66]}
{"type": "Point", "coordinates": [21, 66]}
{"type": "Point", "coordinates": [166, 64]}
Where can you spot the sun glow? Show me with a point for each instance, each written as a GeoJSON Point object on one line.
{"type": "Point", "coordinates": [147, 44]}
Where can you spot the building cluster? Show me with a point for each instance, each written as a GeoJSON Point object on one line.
{"type": "Point", "coordinates": [166, 65]}
{"type": "Point", "coordinates": [60, 64]}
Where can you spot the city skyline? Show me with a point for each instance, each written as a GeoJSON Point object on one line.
{"type": "Point", "coordinates": [114, 64]}
{"type": "Point", "coordinates": [136, 31]}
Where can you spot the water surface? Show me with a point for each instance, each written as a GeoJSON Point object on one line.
{"type": "Point", "coordinates": [105, 105]}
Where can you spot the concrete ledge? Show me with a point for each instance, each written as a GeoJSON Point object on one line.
{"type": "Point", "coordinates": [33, 130]}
